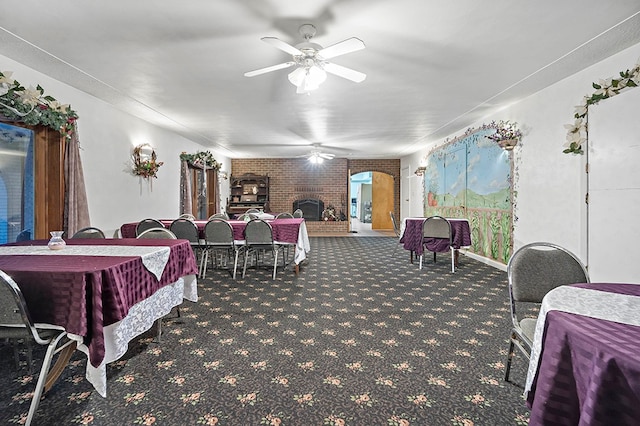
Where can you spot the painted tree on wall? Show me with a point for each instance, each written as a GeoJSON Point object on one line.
{"type": "Point", "coordinates": [470, 177]}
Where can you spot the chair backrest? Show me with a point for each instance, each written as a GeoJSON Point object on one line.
{"type": "Point", "coordinates": [24, 235]}
{"type": "Point", "coordinates": [157, 233]}
{"type": "Point", "coordinates": [89, 232]}
{"type": "Point", "coordinates": [537, 268]}
{"type": "Point", "coordinates": [13, 308]}
{"type": "Point", "coordinates": [187, 216]}
{"type": "Point", "coordinates": [252, 211]}
{"type": "Point", "coordinates": [396, 228]}
{"type": "Point", "coordinates": [297, 213]}
{"type": "Point", "coordinates": [258, 232]}
{"type": "Point", "coordinates": [218, 232]}
{"type": "Point", "coordinates": [185, 229]}
{"type": "Point", "coordinates": [149, 223]}
{"type": "Point", "coordinates": [436, 227]}
{"type": "Point", "coordinates": [284, 215]}
{"type": "Point", "coordinates": [248, 216]}
{"type": "Point", "coordinates": [219, 216]}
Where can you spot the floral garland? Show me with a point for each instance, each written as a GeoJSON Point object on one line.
{"type": "Point", "coordinates": [145, 168]}
{"type": "Point", "coordinates": [201, 159]}
{"type": "Point", "coordinates": [577, 132]}
{"type": "Point", "coordinates": [31, 106]}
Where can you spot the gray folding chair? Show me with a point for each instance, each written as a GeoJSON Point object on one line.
{"type": "Point", "coordinates": [157, 233]}
{"type": "Point", "coordinates": [222, 216]}
{"type": "Point", "coordinates": [149, 223]}
{"type": "Point", "coordinates": [533, 271]}
{"type": "Point", "coordinates": [297, 213]}
{"type": "Point", "coordinates": [438, 227]}
{"type": "Point", "coordinates": [89, 232]}
{"type": "Point", "coordinates": [396, 230]}
{"type": "Point", "coordinates": [247, 216]}
{"type": "Point", "coordinates": [220, 243]}
{"type": "Point", "coordinates": [258, 237]}
{"type": "Point", "coordinates": [187, 216]}
{"type": "Point", "coordinates": [186, 229]}
{"type": "Point", "coordinates": [17, 324]}
{"type": "Point", "coordinates": [284, 215]}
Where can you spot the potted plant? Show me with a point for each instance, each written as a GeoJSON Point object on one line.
{"type": "Point", "coordinates": [507, 135]}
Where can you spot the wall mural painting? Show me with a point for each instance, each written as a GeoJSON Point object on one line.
{"type": "Point", "coordinates": [470, 177]}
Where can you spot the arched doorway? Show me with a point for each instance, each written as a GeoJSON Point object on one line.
{"type": "Point", "coordinates": [372, 198]}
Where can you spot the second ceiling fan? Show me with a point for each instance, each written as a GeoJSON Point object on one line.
{"type": "Point", "coordinates": [310, 60]}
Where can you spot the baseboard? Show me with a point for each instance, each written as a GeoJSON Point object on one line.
{"type": "Point", "coordinates": [485, 260]}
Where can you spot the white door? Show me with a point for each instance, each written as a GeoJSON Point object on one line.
{"type": "Point", "coordinates": [614, 189]}
{"type": "Point", "coordinates": [405, 191]}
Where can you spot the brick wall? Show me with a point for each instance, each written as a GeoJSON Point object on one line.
{"type": "Point", "coordinates": [292, 179]}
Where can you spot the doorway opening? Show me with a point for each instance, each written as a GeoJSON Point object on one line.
{"type": "Point", "coordinates": [371, 199]}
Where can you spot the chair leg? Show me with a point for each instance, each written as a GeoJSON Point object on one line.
{"type": "Point", "coordinates": [159, 329]}
{"type": "Point", "coordinates": [235, 264]}
{"type": "Point", "coordinates": [421, 260]}
{"type": "Point", "coordinates": [453, 264]}
{"type": "Point", "coordinates": [44, 371]}
{"type": "Point", "coordinates": [275, 263]}
{"type": "Point", "coordinates": [244, 266]}
{"type": "Point", "coordinates": [203, 262]}
{"type": "Point", "coordinates": [16, 353]}
{"type": "Point", "coordinates": [201, 272]}
{"type": "Point", "coordinates": [509, 358]}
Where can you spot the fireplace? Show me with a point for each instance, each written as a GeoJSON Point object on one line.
{"type": "Point", "coordinates": [311, 208]}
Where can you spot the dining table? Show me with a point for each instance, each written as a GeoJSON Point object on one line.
{"type": "Point", "coordinates": [412, 240]}
{"type": "Point", "coordinates": [292, 231]}
{"type": "Point", "coordinates": [584, 367]}
{"type": "Point", "coordinates": [103, 292]}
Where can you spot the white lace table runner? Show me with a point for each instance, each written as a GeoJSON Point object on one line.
{"type": "Point", "coordinates": [622, 308]}
{"type": "Point", "coordinates": [154, 258]}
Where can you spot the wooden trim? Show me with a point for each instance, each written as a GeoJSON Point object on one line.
{"type": "Point", "coordinates": [49, 149]}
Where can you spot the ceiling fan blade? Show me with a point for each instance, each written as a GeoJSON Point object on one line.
{"type": "Point", "coordinates": [326, 156]}
{"type": "Point", "coordinates": [279, 44]}
{"type": "Point", "coordinates": [345, 72]}
{"type": "Point", "coordinates": [346, 46]}
{"type": "Point", "coordinates": [269, 69]}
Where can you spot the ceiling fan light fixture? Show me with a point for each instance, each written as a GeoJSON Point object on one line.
{"type": "Point", "coordinates": [307, 79]}
{"type": "Point", "coordinates": [315, 158]}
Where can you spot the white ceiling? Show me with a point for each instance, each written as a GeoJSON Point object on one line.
{"type": "Point", "coordinates": [433, 67]}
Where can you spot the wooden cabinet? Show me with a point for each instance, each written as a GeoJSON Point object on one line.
{"type": "Point", "coordinates": [248, 191]}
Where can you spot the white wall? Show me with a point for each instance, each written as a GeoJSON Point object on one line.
{"type": "Point", "coordinates": [107, 138]}
{"type": "Point", "coordinates": [550, 185]}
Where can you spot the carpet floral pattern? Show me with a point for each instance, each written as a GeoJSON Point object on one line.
{"type": "Point", "coordinates": [360, 337]}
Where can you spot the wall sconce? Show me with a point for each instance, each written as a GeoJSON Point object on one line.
{"type": "Point", "coordinates": [420, 171]}
{"type": "Point", "coordinates": [223, 174]}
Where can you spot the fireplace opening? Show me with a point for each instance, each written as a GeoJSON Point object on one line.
{"type": "Point", "coordinates": [311, 208]}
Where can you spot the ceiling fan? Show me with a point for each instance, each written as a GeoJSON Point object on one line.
{"type": "Point", "coordinates": [310, 60]}
{"type": "Point", "coordinates": [316, 156]}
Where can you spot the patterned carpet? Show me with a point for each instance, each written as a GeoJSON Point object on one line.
{"type": "Point", "coordinates": [360, 337]}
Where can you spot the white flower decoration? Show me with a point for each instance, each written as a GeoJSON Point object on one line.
{"type": "Point", "coordinates": [30, 96]}
{"type": "Point", "coordinates": [6, 78]}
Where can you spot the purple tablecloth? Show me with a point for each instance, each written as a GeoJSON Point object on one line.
{"type": "Point", "coordinates": [284, 230]}
{"type": "Point", "coordinates": [83, 294]}
{"type": "Point", "coordinates": [589, 369]}
{"type": "Point", "coordinates": [412, 236]}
